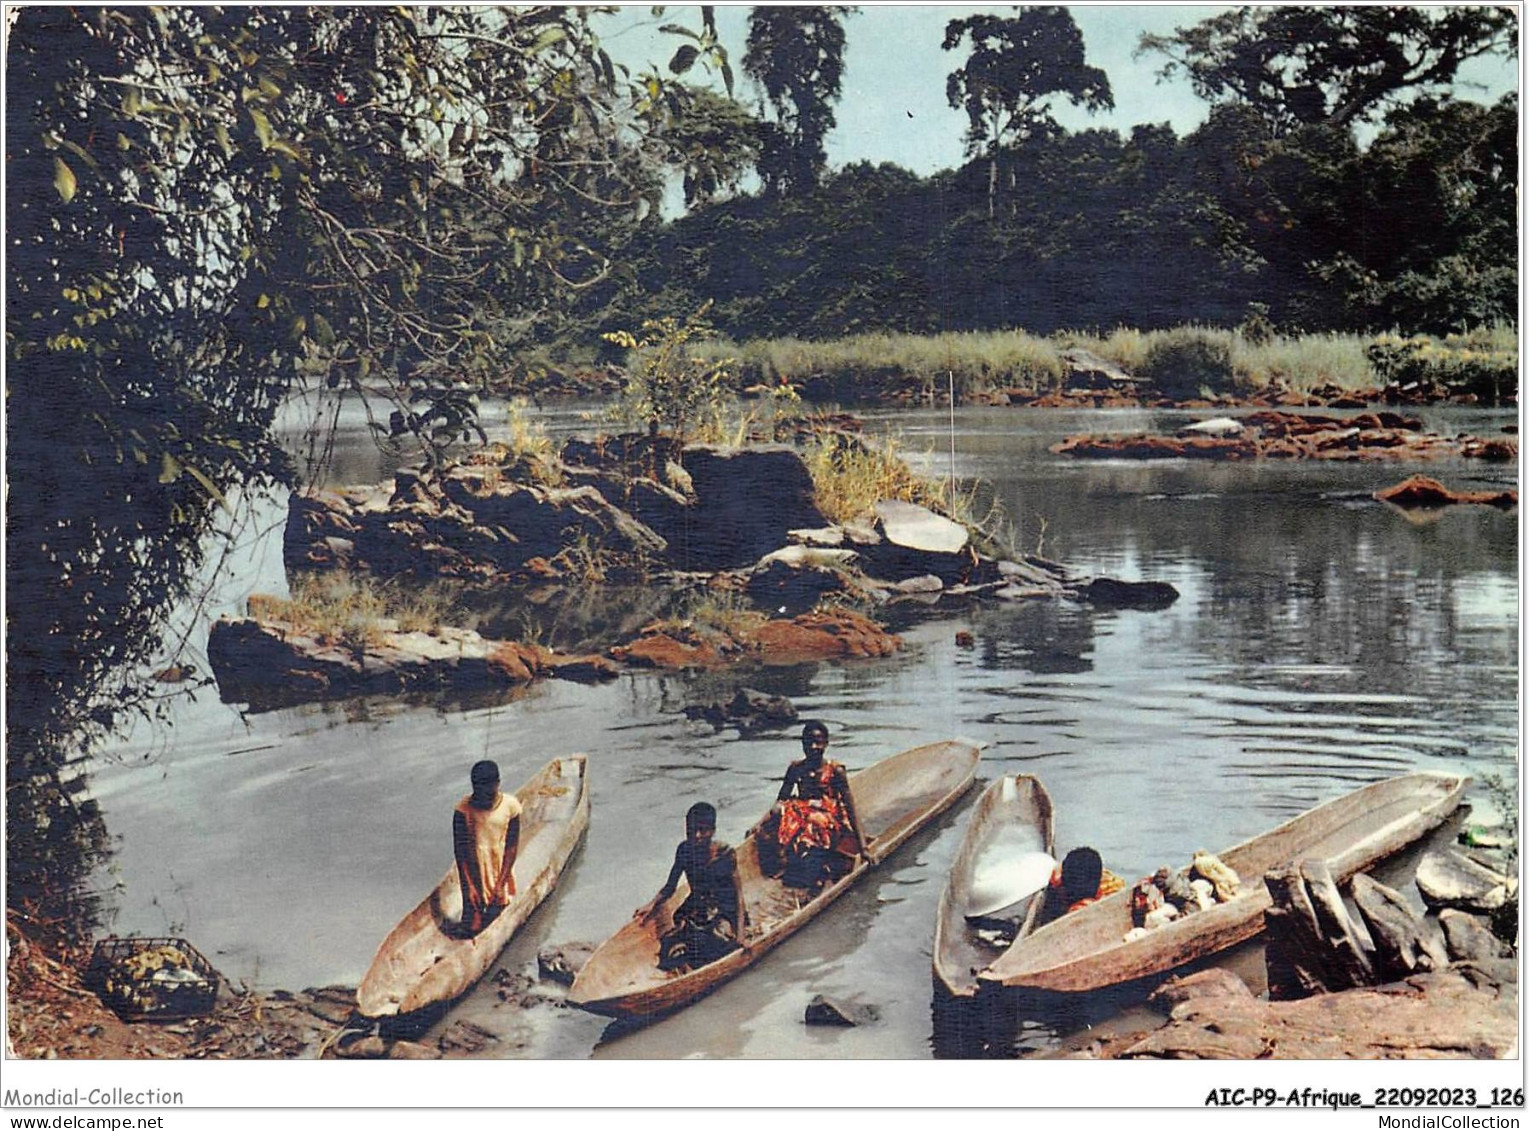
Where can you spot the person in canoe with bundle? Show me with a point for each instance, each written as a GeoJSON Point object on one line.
{"type": "Point", "coordinates": [812, 834]}
{"type": "Point", "coordinates": [1079, 880]}
{"type": "Point", "coordinates": [485, 835]}
{"type": "Point", "coordinates": [707, 924]}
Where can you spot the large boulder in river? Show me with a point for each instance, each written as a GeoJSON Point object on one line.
{"type": "Point", "coordinates": [917, 542]}
{"type": "Point", "coordinates": [747, 501]}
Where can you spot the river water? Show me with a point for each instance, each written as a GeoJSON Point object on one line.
{"type": "Point", "coordinates": [1321, 641]}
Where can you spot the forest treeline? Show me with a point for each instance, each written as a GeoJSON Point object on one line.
{"type": "Point", "coordinates": [1093, 230]}
{"type": "Point", "coordinates": [1336, 185]}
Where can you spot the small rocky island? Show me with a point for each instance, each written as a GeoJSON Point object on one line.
{"type": "Point", "coordinates": [1270, 434]}
{"type": "Point", "coordinates": [736, 529]}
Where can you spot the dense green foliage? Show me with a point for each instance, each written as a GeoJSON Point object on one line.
{"type": "Point", "coordinates": [209, 206]}
{"type": "Point", "coordinates": [796, 56]}
{"type": "Point", "coordinates": [1017, 66]}
{"type": "Point", "coordinates": [1272, 213]}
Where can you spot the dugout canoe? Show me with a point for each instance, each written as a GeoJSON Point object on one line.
{"type": "Point", "coordinates": [1084, 950]}
{"type": "Point", "coordinates": [894, 799]}
{"type": "Point", "coordinates": [1012, 818]}
{"type": "Point", "coordinates": [422, 962]}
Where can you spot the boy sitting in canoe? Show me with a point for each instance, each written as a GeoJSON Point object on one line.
{"type": "Point", "coordinates": [812, 834]}
{"type": "Point", "coordinates": [1081, 879]}
{"type": "Point", "coordinates": [485, 835]}
{"type": "Point", "coordinates": [706, 925]}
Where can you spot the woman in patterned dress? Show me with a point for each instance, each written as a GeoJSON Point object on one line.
{"type": "Point", "coordinates": [813, 833]}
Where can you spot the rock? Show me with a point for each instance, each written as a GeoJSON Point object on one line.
{"type": "Point", "coordinates": [1458, 1013]}
{"type": "Point", "coordinates": [748, 710]}
{"type": "Point", "coordinates": [335, 1004]}
{"type": "Point", "coordinates": [746, 502]}
{"type": "Point", "coordinates": [562, 963]}
{"type": "Point", "coordinates": [1210, 982]}
{"type": "Point", "coordinates": [465, 1037]}
{"type": "Point", "coordinates": [1089, 371]}
{"type": "Point", "coordinates": [825, 536]}
{"type": "Point", "coordinates": [1216, 426]}
{"type": "Point", "coordinates": [658, 649]}
{"type": "Point", "coordinates": [824, 636]}
{"type": "Point", "coordinates": [926, 583]}
{"type": "Point", "coordinates": [412, 1050]}
{"type": "Point", "coordinates": [1468, 939]}
{"type": "Point", "coordinates": [1419, 491]}
{"type": "Point", "coordinates": [1402, 944]}
{"type": "Point", "coordinates": [1310, 944]}
{"type": "Point", "coordinates": [362, 1047]}
{"type": "Point", "coordinates": [915, 542]}
{"type": "Point", "coordinates": [583, 669]}
{"type": "Point", "coordinates": [798, 581]}
{"type": "Point", "coordinates": [1448, 879]}
{"type": "Point", "coordinates": [823, 1010]}
{"type": "Point", "coordinates": [1112, 593]}
{"type": "Point", "coordinates": [917, 528]}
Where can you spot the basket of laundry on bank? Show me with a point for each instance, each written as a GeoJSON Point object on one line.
{"type": "Point", "coordinates": [152, 978]}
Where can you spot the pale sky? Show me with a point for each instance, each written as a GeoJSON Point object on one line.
{"type": "Point", "coordinates": [893, 64]}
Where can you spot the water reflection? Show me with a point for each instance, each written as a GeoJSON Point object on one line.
{"type": "Point", "coordinates": [1320, 642]}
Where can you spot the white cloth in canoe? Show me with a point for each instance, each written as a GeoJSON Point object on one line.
{"type": "Point", "coordinates": [486, 829]}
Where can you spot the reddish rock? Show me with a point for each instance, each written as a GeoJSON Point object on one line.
{"type": "Point", "coordinates": [1419, 491]}
{"type": "Point", "coordinates": [1459, 1013]}
{"type": "Point", "coordinates": [1494, 451]}
{"type": "Point", "coordinates": [660, 650]}
{"type": "Point", "coordinates": [823, 636]}
{"type": "Point", "coordinates": [1287, 435]}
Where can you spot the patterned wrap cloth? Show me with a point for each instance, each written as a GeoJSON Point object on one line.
{"type": "Point", "coordinates": [817, 822]}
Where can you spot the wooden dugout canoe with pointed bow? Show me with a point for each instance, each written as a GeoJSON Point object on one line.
{"type": "Point", "coordinates": [1084, 950]}
{"type": "Point", "coordinates": [422, 962]}
{"type": "Point", "coordinates": [894, 799]}
{"type": "Point", "coordinates": [1013, 816]}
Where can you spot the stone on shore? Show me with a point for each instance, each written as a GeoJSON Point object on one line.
{"type": "Point", "coordinates": [1448, 879]}
{"type": "Point", "coordinates": [1468, 939]}
{"type": "Point", "coordinates": [1208, 983]}
{"type": "Point", "coordinates": [1463, 1012]}
{"type": "Point", "coordinates": [1404, 944]}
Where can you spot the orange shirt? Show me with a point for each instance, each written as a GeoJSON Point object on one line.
{"type": "Point", "coordinates": [486, 829]}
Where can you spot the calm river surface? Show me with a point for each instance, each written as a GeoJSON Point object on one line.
{"type": "Point", "coordinates": [1321, 641]}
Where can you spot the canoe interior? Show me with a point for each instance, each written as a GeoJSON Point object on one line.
{"type": "Point", "coordinates": [893, 798]}
{"type": "Point", "coordinates": [1083, 950]}
{"type": "Point", "coordinates": [1012, 817]}
{"type": "Point", "coordinates": [424, 960]}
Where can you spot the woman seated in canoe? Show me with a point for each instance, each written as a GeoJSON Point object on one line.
{"type": "Point", "coordinates": [706, 926]}
{"type": "Point", "coordinates": [813, 833]}
{"type": "Point", "coordinates": [1079, 880]}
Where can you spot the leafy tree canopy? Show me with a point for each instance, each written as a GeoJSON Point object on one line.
{"type": "Point", "coordinates": [1330, 65]}
{"type": "Point", "coordinates": [1018, 65]}
{"type": "Point", "coordinates": [796, 55]}
{"type": "Point", "coordinates": [210, 206]}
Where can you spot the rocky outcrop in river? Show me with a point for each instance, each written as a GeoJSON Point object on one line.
{"type": "Point", "coordinates": [1285, 435]}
